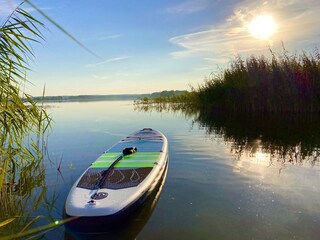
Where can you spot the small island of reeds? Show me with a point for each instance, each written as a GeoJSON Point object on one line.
{"type": "Point", "coordinates": [282, 83]}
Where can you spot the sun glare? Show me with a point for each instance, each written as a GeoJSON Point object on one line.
{"type": "Point", "coordinates": [262, 27]}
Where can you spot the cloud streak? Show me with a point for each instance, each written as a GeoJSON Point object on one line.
{"type": "Point", "coordinates": [109, 37]}
{"type": "Point", "coordinates": [110, 60]}
{"type": "Point", "coordinates": [298, 27]}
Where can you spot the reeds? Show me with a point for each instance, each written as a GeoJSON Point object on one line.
{"type": "Point", "coordinates": [18, 118]}
{"type": "Point", "coordinates": [281, 84]}
{"type": "Point", "coordinates": [22, 125]}
{"type": "Point", "coordinates": [265, 99]}
{"type": "Point", "coordinates": [181, 98]}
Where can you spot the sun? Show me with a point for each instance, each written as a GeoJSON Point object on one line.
{"type": "Point", "coordinates": [262, 27]}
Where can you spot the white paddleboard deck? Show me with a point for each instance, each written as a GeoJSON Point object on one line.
{"type": "Point", "coordinates": [117, 180]}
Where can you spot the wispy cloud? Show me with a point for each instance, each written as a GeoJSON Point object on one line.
{"type": "Point", "coordinates": [102, 38]}
{"type": "Point", "coordinates": [298, 26]}
{"type": "Point", "coordinates": [187, 7]}
{"type": "Point", "coordinates": [110, 60]}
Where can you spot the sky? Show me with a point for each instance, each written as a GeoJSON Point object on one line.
{"type": "Point", "coordinates": [144, 46]}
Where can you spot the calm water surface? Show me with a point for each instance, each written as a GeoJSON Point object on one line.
{"type": "Point", "coordinates": [212, 190]}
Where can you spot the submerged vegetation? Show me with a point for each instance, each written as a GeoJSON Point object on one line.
{"type": "Point", "coordinates": [285, 83]}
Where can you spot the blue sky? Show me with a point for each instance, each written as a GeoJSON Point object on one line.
{"type": "Point", "coordinates": [146, 46]}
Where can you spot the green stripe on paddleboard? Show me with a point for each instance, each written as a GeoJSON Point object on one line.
{"type": "Point", "coordinates": [109, 156]}
{"type": "Point", "coordinates": [138, 159]}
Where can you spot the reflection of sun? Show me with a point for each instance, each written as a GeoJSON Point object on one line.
{"type": "Point", "coordinates": [262, 26]}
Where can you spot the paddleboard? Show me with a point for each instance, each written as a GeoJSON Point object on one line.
{"type": "Point", "coordinates": [121, 178]}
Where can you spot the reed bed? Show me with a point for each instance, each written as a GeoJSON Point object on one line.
{"type": "Point", "coordinates": [183, 98]}
{"type": "Point", "coordinates": [22, 126]}
{"type": "Point", "coordinates": [281, 84]}
{"type": "Point", "coordinates": [21, 121]}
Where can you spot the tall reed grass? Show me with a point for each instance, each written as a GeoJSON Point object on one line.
{"type": "Point", "coordinates": [280, 84]}
{"type": "Point", "coordinates": [22, 125]}
{"type": "Point", "coordinates": [19, 119]}
{"type": "Point", "coordinates": [283, 83]}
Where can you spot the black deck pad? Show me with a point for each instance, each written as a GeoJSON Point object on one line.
{"type": "Point", "coordinates": [117, 179]}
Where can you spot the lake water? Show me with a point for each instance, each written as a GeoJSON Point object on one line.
{"type": "Point", "coordinates": [221, 183]}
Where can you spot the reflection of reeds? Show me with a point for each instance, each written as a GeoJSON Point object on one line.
{"type": "Point", "coordinates": [164, 107]}
{"type": "Point", "coordinates": [286, 138]}
{"type": "Point", "coordinates": [19, 201]}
